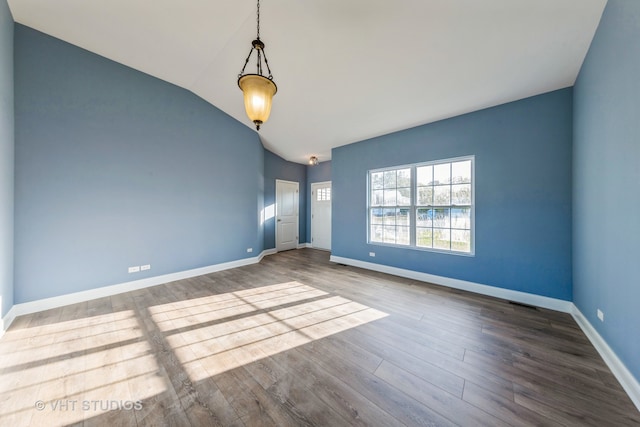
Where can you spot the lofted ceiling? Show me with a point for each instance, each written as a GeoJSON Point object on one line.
{"type": "Point", "coordinates": [346, 70]}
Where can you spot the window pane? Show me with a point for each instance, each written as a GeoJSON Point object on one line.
{"type": "Point", "coordinates": [424, 237]}
{"type": "Point", "coordinates": [461, 172]}
{"type": "Point", "coordinates": [461, 240]}
{"type": "Point", "coordinates": [390, 217]}
{"type": "Point", "coordinates": [461, 194]}
{"type": "Point", "coordinates": [404, 178]}
{"type": "Point", "coordinates": [327, 193]}
{"type": "Point", "coordinates": [461, 218]}
{"type": "Point", "coordinates": [425, 196]}
{"type": "Point", "coordinates": [377, 198]}
{"type": "Point", "coordinates": [441, 238]}
{"type": "Point", "coordinates": [376, 180]}
{"type": "Point", "coordinates": [376, 216]}
{"type": "Point", "coordinates": [442, 174]}
{"type": "Point", "coordinates": [390, 197]}
{"type": "Point", "coordinates": [441, 218]}
{"type": "Point", "coordinates": [390, 179]}
{"type": "Point", "coordinates": [376, 233]}
{"type": "Point", "coordinates": [424, 217]}
{"type": "Point", "coordinates": [425, 175]}
{"type": "Point", "coordinates": [389, 234]}
{"type": "Point", "coordinates": [403, 236]}
{"type": "Point", "coordinates": [404, 197]}
{"type": "Point", "coordinates": [323, 194]}
{"type": "Point", "coordinates": [442, 195]}
{"type": "Point", "coordinates": [403, 217]}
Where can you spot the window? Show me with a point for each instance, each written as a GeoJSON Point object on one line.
{"type": "Point", "coordinates": [425, 206]}
{"type": "Point", "coordinates": [390, 212]}
{"type": "Point", "coordinates": [323, 194]}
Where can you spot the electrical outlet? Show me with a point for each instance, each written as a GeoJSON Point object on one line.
{"type": "Point", "coordinates": [134, 269]}
{"type": "Point", "coordinates": [600, 315]}
{"type": "Point", "coordinates": [372, 254]}
{"type": "Point", "coordinates": [249, 250]}
{"type": "Point", "coordinates": [145, 267]}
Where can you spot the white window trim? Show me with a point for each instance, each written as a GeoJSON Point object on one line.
{"type": "Point", "coordinates": [413, 167]}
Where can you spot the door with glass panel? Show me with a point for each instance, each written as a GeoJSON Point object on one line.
{"type": "Point", "coordinates": [321, 215]}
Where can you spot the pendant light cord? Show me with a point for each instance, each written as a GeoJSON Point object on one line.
{"type": "Point", "coordinates": [258, 20]}
{"type": "Point", "coordinates": [259, 63]}
{"type": "Point", "coordinates": [259, 46]}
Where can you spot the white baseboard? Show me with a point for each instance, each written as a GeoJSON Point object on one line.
{"type": "Point", "coordinates": [105, 291]}
{"type": "Point", "coordinates": [508, 294]}
{"type": "Point", "coordinates": [624, 376]}
{"type": "Point", "coordinates": [304, 245]}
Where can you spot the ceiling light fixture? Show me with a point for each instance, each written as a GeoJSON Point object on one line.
{"type": "Point", "coordinates": [258, 90]}
{"type": "Point", "coordinates": [313, 160]}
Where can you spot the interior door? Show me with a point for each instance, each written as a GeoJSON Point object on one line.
{"type": "Point", "coordinates": [321, 215]}
{"type": "Point", "coordinates": [287, 200]}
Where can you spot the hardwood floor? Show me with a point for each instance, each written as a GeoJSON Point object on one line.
{"type": "Point", "coordinates": [299, 341]}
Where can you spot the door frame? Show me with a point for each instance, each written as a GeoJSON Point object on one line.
{"type": "Point", "coordinates": [279, 182]}
{"type": "Point", "coordinates": [320, 183]}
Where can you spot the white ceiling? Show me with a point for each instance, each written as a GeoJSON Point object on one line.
{"type": "Point", "coordinates": [346, 70]}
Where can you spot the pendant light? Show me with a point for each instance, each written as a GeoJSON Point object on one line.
{"type": "Point", "coordinates": [258, 90]}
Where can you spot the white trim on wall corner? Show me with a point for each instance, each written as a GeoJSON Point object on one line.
{"type": "Point", "coordinates": [105, 291]}
{"type": "Point", "coordinates": [629, 383]}
{"type": "Point", "coordinates": [508, 294]}
{"type": "Point", "coordinates": [304, 245]}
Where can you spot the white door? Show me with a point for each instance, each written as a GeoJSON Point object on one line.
{"type": "Point", "coordinates": [287, 199]}
{"type": "Point", "coordinates": [321, 215]}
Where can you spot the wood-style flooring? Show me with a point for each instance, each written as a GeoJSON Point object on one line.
{"type": "Point", "coordinates": [298, 341]}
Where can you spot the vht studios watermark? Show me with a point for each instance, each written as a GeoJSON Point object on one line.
{"type": "Point", "coordinates": [88, 405]}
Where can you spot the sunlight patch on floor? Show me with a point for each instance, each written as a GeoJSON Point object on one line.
{"type": "Point", "coordinates": [64, 366]}
{"type": "Point", "coordinates": [65, 371]}
{"type": "Point", "coordinates": [188, 313]}
{"type": "Point", "coordinates": [211, 338]}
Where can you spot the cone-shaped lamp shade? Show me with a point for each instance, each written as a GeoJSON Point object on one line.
{"type": "Point", "coordinates": [258, 94]}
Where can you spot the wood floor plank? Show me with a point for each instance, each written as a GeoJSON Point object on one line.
{"type": "Point", "coordinates": [355, 409]}
{"type": "Point", "coordinates": [203, 404]}
{"type": "Point", "coordinates": [390, 351]}
{"type": "Point", "coordinates": [148, 382]}
{"type": "Point", "coordinates": [450, 406]}
{"type": "Point", "coordinates": [553, 397]}
{"type": "Point", "coordinates": [505, 409]}
{"type": "Point", "coordinates": [393, 401]}
{"type": "Point", "coordinates": [260, 400]}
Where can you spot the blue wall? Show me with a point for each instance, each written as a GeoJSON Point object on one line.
{"type": "Point", "coordinates": [115, 168]}
{"type": "Point", "coordinates": [6, 159]}
{"type": "Point", "coordinates": [318, 173]}
{"type": "Point", "coordinates": [523, 194]}
{"type": "Point", "coordinates": [606, 192]}
{"type": "Point", "coordinates": [275, 167]}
